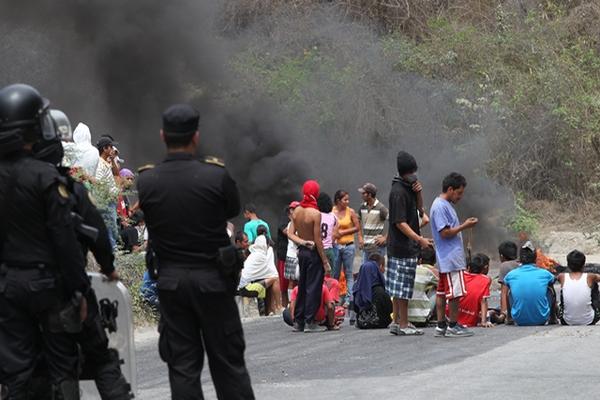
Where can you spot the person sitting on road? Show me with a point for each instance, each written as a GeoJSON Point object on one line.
{"type": "Point", "coordinates": [372, 304]}
{"type": "Point", "coordinates": [532, 297]}
{"type": "Point", "coordinates": [473, 306]}
{"type": "Point", "coordinates": [508, 261]}
{"type": "Point", "coordinates": [259, 267]}
{"type": "Point", "coordinates": [422, 304]}
{"type": "Point", "coordinates": [326, 314]}
{"type": "Point", "coordinates": [579, 298]}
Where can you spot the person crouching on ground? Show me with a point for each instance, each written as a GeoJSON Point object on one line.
{"type": "Point", "coordinates": [372, 305]}
{"type": "Point", "coordinates": [579, 293]}
{"type": "Point", "coordinates": [313, 262]}
{"type": "Point", "coordinates": [325, 316]}
{"type": "Point", "coordinates": [259, 267]}
{"type": "Point", "coordinates": [473, 307]}
{"type": "Point", "coordinates": [531, 294]}
{"type": "Point", "coordinates": [422, 305]}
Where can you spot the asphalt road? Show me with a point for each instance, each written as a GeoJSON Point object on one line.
{"type": "Point", "coordinates": [499, 363]}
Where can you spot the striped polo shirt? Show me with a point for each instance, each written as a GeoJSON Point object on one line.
{"type": "Point", "coordinates": [372, 221]}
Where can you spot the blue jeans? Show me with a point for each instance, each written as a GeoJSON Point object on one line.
{"type": "Point", "coordinates": [344, 257]}
{"type": "Point", "coordinates": [109, 215]}
{"type": "Point", "coordinates": [365, 253]}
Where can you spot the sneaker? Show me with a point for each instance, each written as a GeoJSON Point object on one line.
{"type": "Point", "coordinates": [298, 327]}
{"type": "Point", "coordinates": [409, 331]}
{"type": "Point", "coordinates": [439, 332]}
{"type": "Point", "coordinates": [394, 328]}
{"type": "Point", "coordinates": [458, 331]}
{"type": "Point", "coordinates": [313, 327]}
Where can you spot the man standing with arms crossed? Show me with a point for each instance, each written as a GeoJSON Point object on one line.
{"type": "Point", "coordinates": [187, 203]}
{"type": "Point", "coordinates": [314, 264]}
{"type": "Point", "coordinates": [450, 254]}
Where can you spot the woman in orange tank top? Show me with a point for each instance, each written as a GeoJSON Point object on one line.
{"type": "Point", "coordinates": [344, 247]}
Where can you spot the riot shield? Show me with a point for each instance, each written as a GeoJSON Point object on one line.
{"type": "Point", "coordinates": [111, 293]}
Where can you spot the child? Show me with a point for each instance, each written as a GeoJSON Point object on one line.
{"type": "Point", "coordinates": [473, 307]}
{"type": "Point", "coordinates": [420, 306]}
{"type": "Point", "coordinates": [579, 293]}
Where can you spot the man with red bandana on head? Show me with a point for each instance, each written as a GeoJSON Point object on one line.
{"type": "Point", "coordinates": [314, 264]}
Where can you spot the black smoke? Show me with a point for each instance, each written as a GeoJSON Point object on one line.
{"type": "Point", "coordinates": [117, 64]}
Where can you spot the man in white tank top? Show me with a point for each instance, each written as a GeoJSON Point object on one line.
{"type": "Point", "coordinates": [579, 293]}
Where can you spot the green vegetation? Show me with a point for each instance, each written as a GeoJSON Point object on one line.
{"type": "Point", "coordinates": [523, 220]}
{"type": "Point", "coordinates": [131, 268]}
{"type": "Point", "coordinates": [539, 74]}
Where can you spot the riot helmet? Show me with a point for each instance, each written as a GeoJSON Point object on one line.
{"type": "Point", "coordinates": [52, 151]}
{"type": "Point", "coordinates": [23, 111]}
{"type": "Point", "coordinates": [62, 125]}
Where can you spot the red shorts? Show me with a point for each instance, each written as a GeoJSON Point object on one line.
{"type": "Point", "coordinates": [452, 285]}
{"type": "Point", "coordinates": [283, 282]}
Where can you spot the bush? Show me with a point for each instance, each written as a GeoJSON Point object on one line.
{"type": "Point", "coordinates": [131, 268]}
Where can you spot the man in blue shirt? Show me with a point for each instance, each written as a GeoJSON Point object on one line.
{"type": "Point", "coordinates": [531, 294]}
{"type": "Point", "coordinates": [450, 253]}
{"type": "Point", "coordinates": [253, 223]}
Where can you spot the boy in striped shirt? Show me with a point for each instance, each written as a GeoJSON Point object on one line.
{"type": "Point", "coordinates": [421, 305]}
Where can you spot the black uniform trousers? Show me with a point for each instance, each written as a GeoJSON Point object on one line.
{"type": "Point", "coordinates": [27, 298]}
{"type": "Point", "coordinates": [101, 363]}
{"type": "Point", "coordinates": [192, 321]}
{"type": "Point", "coordinates": [310, 285]}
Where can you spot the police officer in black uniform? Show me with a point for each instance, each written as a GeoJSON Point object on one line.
{"type": "Point", "coordinates": [42, 277]}
{"type": "Point", "coordinates": [187, 203]}
{"type": "Point", "coordinates": [100, 363]}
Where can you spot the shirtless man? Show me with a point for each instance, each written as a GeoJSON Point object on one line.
{"type": "Point", "coordinates": [311, 257]}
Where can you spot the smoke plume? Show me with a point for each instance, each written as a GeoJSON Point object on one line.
{"type": "Point", "coordinates": [116, 65]}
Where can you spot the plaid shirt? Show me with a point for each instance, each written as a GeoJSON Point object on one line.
{"type": "Point", "coordinates": [372, 221]}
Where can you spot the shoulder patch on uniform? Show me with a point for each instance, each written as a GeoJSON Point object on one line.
{"type": "Point", "coordinates": [145, 168]}
{"type": "Point", "coordinates": [63, 191]}
{"type": "Point", "coordinates": [214, 161]}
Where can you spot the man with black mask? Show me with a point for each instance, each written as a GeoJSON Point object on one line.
{"type": "Point", "coordinates": [42, 277]}
{"type": "Point", "coordinates": [405, 242]}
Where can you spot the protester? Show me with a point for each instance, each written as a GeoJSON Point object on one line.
{"type": "Point", "coordinates": [253, 223]}
{"type": "Point", "coordinates": [372, 216]}
{"type": "Point", "coordinates": [126, 182]}
{"type": "Point", "coordinates": [139, 221]}
{"type": "Point", "coordinates": [345, 249]}
{"type": "Point", "coordinates": [372, 305]}
{"type": "Point", "coordinates": [107, 186]}
{"type": "Point", "coordinates": [450, 254]}
{"type": "Point", "coordinates": [422, 304]}
{"type": "Point", "coordinates": [282, 249]}
{"type": "Point", "coordinates": [85, 155]}
{"type": "Point", "coordinates": [313, 263]}
{"type": "Point", "coordinates": [149, 291]}
{"type": "Point", "coordinates": [579, 293]}
{"type": "Point", "coordinates": [291, 269]}
{"type": "Point", "coordinates": [259, 267]}
{"type": "Point", "coordinates": [473, 307]}
{"type": "Point", "coordinates": [508, 262]}
{"type": "Point", "coordinates": [129, 236]}
{"type": "Point", "coordinates": [329, 226]}
{"type": "Point", "coordinates": [325, 315]}
{"type": "Point", "coordinates": [242, 242]}
{"type": "Point", "coordinates": [532, 297]}
{"type": "Point", "coordinates": [404, 244]}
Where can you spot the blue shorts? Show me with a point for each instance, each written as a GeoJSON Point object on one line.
{"type": "Point", "coordinates": [400, 277]}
